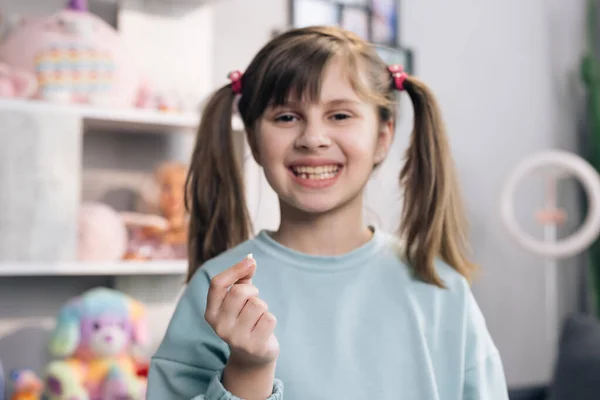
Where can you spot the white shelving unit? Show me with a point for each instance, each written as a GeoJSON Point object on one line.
{"type": "Point", "coordinates": [123, 268]}
{"type": "Point", "coordinates": [99, 120]}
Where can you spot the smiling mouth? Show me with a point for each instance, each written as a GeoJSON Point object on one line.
{"type": "Point", "coordinates": [319, 173]}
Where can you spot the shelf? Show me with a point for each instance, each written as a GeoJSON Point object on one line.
{"type": "Point", "coordinates": [100, 119]}
{"type": "Point", "coordinates": [121, 268]}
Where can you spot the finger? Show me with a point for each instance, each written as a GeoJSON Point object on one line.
{"type": "Point", "coordinates": [264, 327]}
{"type": "Point", "coordinates": [248, 278]}
{"type": "Point", "coordinates": [236, 299]}
{"type": "Point", "coordinates": [223, 281]}
{"type": "Point", "coordinates": [251, 313]}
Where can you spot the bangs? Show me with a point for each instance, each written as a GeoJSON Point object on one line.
{"type": "Point", "coordinates": [302, 82]}
{"type": "Point", "coordinates": [294, 73]}
{"type": "Point", "coordinates": [297, 77]}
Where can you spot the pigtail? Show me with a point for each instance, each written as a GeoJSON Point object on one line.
{"type": "Point", "coordinates": [214, 197]}
{"type": "Point", "coordinates": [433, 222]}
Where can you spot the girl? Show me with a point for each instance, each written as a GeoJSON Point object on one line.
{"type": "Point", "coordinates": [358, 315]}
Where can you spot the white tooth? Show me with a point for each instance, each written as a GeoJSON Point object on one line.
{"type": "Point", "coordinates": [319, 170]}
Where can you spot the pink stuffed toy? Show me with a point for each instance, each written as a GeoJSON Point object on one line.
{"type": "Point", "coordinates": [102, 233]}
{"type": "Point", "coordinates": [76, 57]}
{"type": "Point", "coordinates": [16, 83]}
{"type": "Point", "coordinates": [100, 334]}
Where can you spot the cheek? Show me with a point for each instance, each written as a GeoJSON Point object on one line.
{"type": "Point", "coordinates": [358, 147]}
{"type": "Point", "coordinates": [271, 147]}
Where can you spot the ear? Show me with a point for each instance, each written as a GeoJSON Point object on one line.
{"type": "Point", "coordinates": [384, 141]}
{"type": "Point", "coordinates": [66, 335]}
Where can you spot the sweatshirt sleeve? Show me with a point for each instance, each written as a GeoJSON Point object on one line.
{"type": "Point", "coordinates": [485, 381]}
{"type": "Point", "coordinates": [484, 374]}
{"type": "Point", "coordinates": [189, 362]}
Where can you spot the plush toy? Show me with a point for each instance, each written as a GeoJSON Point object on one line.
{"type": "Point", "coordinates": [101, 335]}
{"type": "Point", "coordinates": [16, 83]}
{"type": "Point", "coordinates": [102, 233]}
{"type": "Point", "coordinates": [162, 232]}
{"type": "Point", "coordinates": [76, 57]}
{"type": "Point", "coordinates": [26, 385]}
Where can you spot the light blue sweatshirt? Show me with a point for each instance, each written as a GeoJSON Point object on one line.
{"type": "Point", "coordinates": [356, 326]}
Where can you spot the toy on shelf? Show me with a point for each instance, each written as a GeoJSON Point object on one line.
{"type": "Point", "coordinates": [26, 385]}
{"type": "Point", "coordinates": [16, 83]}
{"type": "Point", "coordinates": [76, 57]}
{"type": "Point", "coordinates": [165, 101]}
{"type": "Point", "coordinates": [161, 232]}
{"type": "Point", "coordinates": [102, 336]}
{"type": "Point", "coordinates": [102, 233]}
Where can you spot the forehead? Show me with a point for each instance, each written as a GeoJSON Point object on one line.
{"type": "Point", "coordinates": [338, 81]}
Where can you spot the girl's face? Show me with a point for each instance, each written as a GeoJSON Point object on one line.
{"type": "Point", "coordinates": [319, 155]}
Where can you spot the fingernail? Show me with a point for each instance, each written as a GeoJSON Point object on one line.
{"type": "Point", "coordinates": [249, 260]}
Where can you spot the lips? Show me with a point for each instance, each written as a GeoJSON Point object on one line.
{"type": "Point", "coordinates": [315, 173]}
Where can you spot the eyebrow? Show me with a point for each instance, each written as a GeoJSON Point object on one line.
{"type": "Point", "coordinates": [333, 102]}
{"type": "Point", "coordinates": [342, 101]}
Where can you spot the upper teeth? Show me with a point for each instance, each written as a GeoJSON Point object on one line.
{"type": "Point", "coordinates": [316, 170]}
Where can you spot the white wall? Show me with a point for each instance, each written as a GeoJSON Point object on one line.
{"type": "Point", "coordinates": [501, 70]}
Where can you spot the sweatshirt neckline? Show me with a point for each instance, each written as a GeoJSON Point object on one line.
{"type": "Point", "coordinates": [357, 257]}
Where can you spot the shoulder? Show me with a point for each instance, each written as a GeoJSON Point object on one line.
{"type": "Point", "coordinates": [452, 307]}
{"type": "Point", "coordinates": [456, 284]}
{"type": "Point", "coordinates": [453, 310]}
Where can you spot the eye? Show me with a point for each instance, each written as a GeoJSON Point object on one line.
{"type": "Point", "coordinates": [341, 116]}
{"type": "Point", "coordinates": [96, 326]}
{"type": "Point", "coordinates": [286, 118]}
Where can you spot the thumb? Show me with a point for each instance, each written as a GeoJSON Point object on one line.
{"type": "Point", "coordinates": [248, 278]}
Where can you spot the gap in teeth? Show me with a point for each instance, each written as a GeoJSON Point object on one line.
{"type": "Point", "coordinates": [324, 169]}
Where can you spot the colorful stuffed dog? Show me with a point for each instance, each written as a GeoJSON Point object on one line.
{"type": "Point", "coordinates": [97, 334]}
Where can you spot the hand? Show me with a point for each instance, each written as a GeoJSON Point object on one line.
{"type": "Point", "coordinates": [240, 318]}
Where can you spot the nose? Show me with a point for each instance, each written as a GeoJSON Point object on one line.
{"type": "Point", "coordinates": [108, 338]}
{"type": "Point", "coordinates": [313, 137]}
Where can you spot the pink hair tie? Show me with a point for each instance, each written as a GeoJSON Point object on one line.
{"type": "Point", "coordinates": [399, 76]}
{"type": "Point", "coordinates": [236, 81]}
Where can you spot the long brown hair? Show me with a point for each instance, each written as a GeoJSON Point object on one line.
{"type": "Point", "coordinates": [292, 65]}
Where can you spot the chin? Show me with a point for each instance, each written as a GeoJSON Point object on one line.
{"type": "Point", "coordinates": [315, 204]}
{"type": "Point", "coordinates": [314, 209]}
{"type": "Point", "coordinates": [311, 198]}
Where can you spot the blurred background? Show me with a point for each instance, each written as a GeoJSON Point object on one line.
{"type": "Point", "coordinates": [99, 104]}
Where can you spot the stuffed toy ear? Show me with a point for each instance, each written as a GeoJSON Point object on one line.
{"type": "Point", "coordinates": [139, 321]}
{"type": "Point", "coordinates": [66, 335]}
